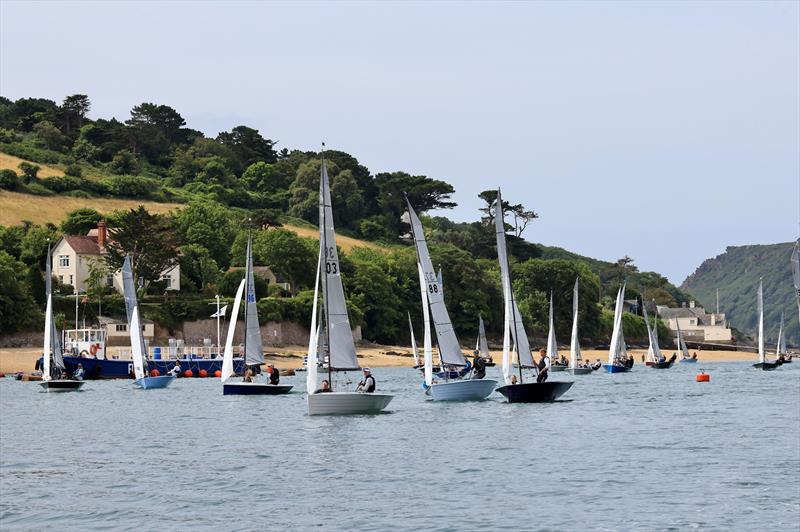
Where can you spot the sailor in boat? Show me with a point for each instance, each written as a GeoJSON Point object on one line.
{"type": "Point", "coordinates": [78, 375]}
{"type": "Point", "coordinates": [176, 369]}
{"type": "Point", "coordinates": [662, 358]}
{"type": "Point", "coordinates": [479, 366]}
{"type": "Point", "coordinates": [274, 375]}
{"type": "Point", "coordinates": [325, 387]}
{"type": "Point", "coordinates": [543, 367]}
{"type": "Point", "coordinates": [248, 375]}
{"type": "Point", "coordinates": [368, 384]}
{"type": "Point", "coordinates": [513, 379]}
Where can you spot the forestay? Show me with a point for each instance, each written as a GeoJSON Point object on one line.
{"type": "Point", "coordinates": [449, 348]}
{"type": "Point", "coordinates": [341, 347]}
{"type": "Point", "coordinates": [254, 354]}
{"type": "Point", "coordinates": [227, 356]}
{"type": "Point", "coordinates": [574, 345]}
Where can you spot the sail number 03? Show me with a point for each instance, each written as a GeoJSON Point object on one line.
{"type": "Point", "coordinates": [331, 266]}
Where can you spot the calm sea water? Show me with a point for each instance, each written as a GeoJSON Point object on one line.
{"type": "Point", "coordinates": [649, 450]}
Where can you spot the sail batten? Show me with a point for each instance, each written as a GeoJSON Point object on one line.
{"type": "Point", "coordinates": [449, 347]}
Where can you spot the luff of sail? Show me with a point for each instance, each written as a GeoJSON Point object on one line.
{"type": "Point", "coordinates": [449, 348]}
{"type": "Point", "coordinates": [254, 354]}
{"type": "Point", "coordinates": [137, 344]}
{"type": "Point", "coordinates": [341, 347]}
{"type": "Point", "coordinates": [574, 345]}
{"type": "Point", "coordinates": [227, 356]}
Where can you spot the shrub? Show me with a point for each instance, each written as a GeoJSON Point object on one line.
{"type": "Point", "coordinates": [36, 188]}
{"type": "Point", "coordinates": [74, 170]}
{"type": "Point", "coordinates": [9, 135]}
{"type": "Point", "coordinates": [131, 186]}
{"type": "Point", "coordinates": [63, 183]}
{"type": "Point", "coordinates": [29, 171]}
{"type": "Point", "coordinates": [124, 162]}
{"type": "Point", "coordinates": [230, 283]}
{"type": "Point", "coordinates": [8, 179]}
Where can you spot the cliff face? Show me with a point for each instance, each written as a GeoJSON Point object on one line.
{"type": "Point", "coordinates": [736, 273]}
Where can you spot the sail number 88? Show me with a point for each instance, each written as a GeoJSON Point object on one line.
{"type": "Point", "coordinates": [433, 288]}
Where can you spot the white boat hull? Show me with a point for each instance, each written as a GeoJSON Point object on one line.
{"type": "Point", "coordinates": [61, 385]}
{"type": "Point", "coordinates": [466, 390]}
{"type": "Point", "coordinates": [346, 403]}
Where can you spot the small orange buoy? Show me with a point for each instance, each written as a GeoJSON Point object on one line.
{"type": "Point", "coordinates": [188, 373]}
{"type": "Point", "coordinates": [154, 373]}
{"type": "Point", "coordinates": [203, 373]}
{"type": "Point", "coordinates": [703, 377]}
{"type": "Point", "coordinates": [218, 373]}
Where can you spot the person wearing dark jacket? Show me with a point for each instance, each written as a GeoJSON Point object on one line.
{"type": "Point", "coordinates": [274, 375]}
{"type": "Point", "coordinates": [478, 365]}
{"type": "Point", "coordinates": [368, 384]}
{"type": "Point", "coordinates": [543, 367]}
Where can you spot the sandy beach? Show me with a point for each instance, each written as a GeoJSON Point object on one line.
{"type": "Point", "coordinates": [380, 356]}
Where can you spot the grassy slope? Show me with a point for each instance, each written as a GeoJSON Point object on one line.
{"type": "Point", "coordinates": [11, 162]}
{"type": "Point", "coordinates": [736, 273]}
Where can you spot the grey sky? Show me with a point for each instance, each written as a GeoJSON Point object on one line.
{"type": "Point", "coordinates": [665, 131]}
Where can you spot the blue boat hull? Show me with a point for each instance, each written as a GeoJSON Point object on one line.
{"type": "Point", "coordinates": [245, 388]}
{"type": "Point", "coordinates": [611, 368]}
{"type": "Point", "coordinates": [95, 368]}
{"type": "Point", "coordinates": [688, 360]}
{"type": "Point", "coordinates": [152, 383]}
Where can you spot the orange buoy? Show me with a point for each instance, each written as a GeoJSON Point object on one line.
{"type": "Point", "coordinates": [188, 373]}
{"type": "Point", "coordinates": [703, 377]}
{"type": "Point", "coordinates": [154, 373]}
{"type": "Point", "coordinates": [218, 373]}
{"type": "Point", "coordinates": [203, 373]}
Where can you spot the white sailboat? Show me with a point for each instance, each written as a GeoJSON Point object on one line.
{"type": "Point", "coordinates": [481, 344]}
{"type": "Point", "coordinates": [618, 359]}
{"type": "Point", "coordinates": [574, 344]}
{"type": "Point", "coordinates": [762, 352]}
{"type": "Point", "coordinates": [654, 350]}
{"type": "Point", "coordinates": [780, 346]}
{"type": "Point", "coordinates": [253, 350]}
{"type": "Point", "coordinates": [341, 349]}
{"type": "Point", "coordinates": [449, 348]}
{"type": "Point", "coordinates": [681, 343]}
{"type": "Point", "coordinates": [53, 368]}
{"type": "Point", "coordinates": [413, 342]}
{"type": "Point", "coordinates": [552, 345]}
{"type": "Point", "coordinates": [514, 329]}
{"type": "Point", "coordinates": [137, 339]}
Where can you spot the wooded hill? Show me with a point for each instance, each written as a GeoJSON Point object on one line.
{"type": "Point", "coordinates": [242, 180]}
{"type": "Point", "coordinates": [735, 273]}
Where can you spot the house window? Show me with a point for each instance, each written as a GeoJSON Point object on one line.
{"type": "Point", "coordinates": [110, 280]}
{"type": "Point", "coordinates": [63, 261]}
{"type": "Point", "coordinates": [121, 327]}
{"type": "Point", "coordinates": [70, 281]}
{"type": "Point", "coordinates": [61, 279]}
{"type": "Point", "coordinates": [167, 281]}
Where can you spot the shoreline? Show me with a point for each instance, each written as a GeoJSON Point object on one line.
{"type": "Point", "coordinates": [23, 359]}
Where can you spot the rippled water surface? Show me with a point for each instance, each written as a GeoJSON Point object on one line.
{"type": "Point", "coordinates": [647, 450]}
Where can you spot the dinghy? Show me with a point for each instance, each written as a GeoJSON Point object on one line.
{"type": "Point", "coordinates": [681, 343]}
{"type": "Point", "coordinates": [762, 354]}
{"type": "Point", "coordinates": [552, 345]}
{"type": "Point", "coordinates": [53, 367]}
{"type": "Point", "coordinates": [457, 389]}
{"type": "Point", "coordinates": [482, 345]}
{"type": "Point", "coordinates": [513, 328]}
{"type": "Point", "coordinates": [654, 350]}
{"type": "Point", "coordinates": [781, 352]}
{"type": "Point", "coordinates": [137, 339]}
{"type": "Point", "coordinates": [574, 344]}
{"type": "Point", "coordinates": [253, 354]}
{"type": "Point", "coordinates": [340, 348]}
{"type": "Point", "coordinates": [617, 352]}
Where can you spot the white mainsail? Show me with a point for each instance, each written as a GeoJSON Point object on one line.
{"type": "Point", "coordinates": [341, 347]}
{"type": "Point", "coordinates": [617, 348]}
{"type": "Point", "coordinates": [796, 272]}
{"type": "Point", "coordinates": [413, 341]}
{"type": "Point", "coordinates": [762, 355]}
{"type": "Point", "coordinates": [449, 348]}
{"type": "Point", "coordinates": [653, 351]}
{"type": "Point", "coordinates": [227, 356]}
{"type": "Point", "coordinates": [313, 334]}
{"type": "Point", "coordinates": [482, 346]}
{"type": "Point", "coordinates": [574, 345]}
{"type": "Point", "coordinates": [55, 340]}
{"type": "Point", "coordinates": [134, 319]}
{"type": "Point", "coordinates": [780, 347]}
{"type": "Point", "coordinates": [427, 352]}
{"type": "Point", "coordinates": [254, 354]}
{"type": "Point", "coordinates": [552, 346]}
{"type": "Point", "coordinates": [680, 341]}
{"type": "Point", "coordinates": [48, 329]}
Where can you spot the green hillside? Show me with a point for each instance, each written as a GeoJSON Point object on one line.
{"type": "Point", "coordinates": [735, 273]}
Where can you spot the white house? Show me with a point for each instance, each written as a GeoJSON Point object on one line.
{"type": "Point", "coordinates": [696, 324]}
{"type": "Point", "coordinates": [73, 257]}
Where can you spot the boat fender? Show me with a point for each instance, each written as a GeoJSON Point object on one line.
{"type": "Point", "coordinates": [154, 373]}
{"type": "Point", "coordinates": [203, 373]}
{"type": "Point", "coordinates": [188, 373]}
{"type": "Point", "coordinates": [218, 373]}
{"type": "Point", "coordinates": [93, 349]}
{"type": "Point", "coordinates": [703, 377]}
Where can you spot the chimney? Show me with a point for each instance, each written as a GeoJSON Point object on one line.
{"type": "Point", "coordinates": [101, 234]}
{"type": "Point", "coordinates": [691, 304]}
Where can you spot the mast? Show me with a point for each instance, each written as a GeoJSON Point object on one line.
{"type": "Point", "coordinates": [325, 284]}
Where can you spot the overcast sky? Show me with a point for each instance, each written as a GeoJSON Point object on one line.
{"type": "Point", "coordinates": [663, 131]}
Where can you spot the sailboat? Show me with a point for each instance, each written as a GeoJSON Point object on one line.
{"type": "Point", "coordinates": [53, 360]}
{"type": "Point", "coordinates": [681, 343]}
{"type": "Point", "coordinates": [618, 359]}
{"type": "Point", "coordinates": [482, 345]}
{"type": "Point", "coordinates": [458, 389]}
{"type": "Point", "coordinates": [341, 349]}
{"type": "Point", "coordinates": [780, 347]}
{"type": "Point", "coordinates": [253, 354]}
{"type": "Point", "coordinates": [552, 345]}
{"type": "Point", "coordinates": [762, 353]}
{"type": "Point", "coordinates": [574, 345]}
{"type": "Point", "coordinates": [414, 350]}
{"type": "Point", "coordinates": [654, 350]}
{"type": "Point", "coordinates": [513, 328]}
{"type": "Point", "coordinates": [137, 339]}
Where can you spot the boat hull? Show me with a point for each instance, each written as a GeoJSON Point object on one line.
{"type": "Point", "coordinates": [688, 361]}
{"type": "Point", "coordinates": [96, 368]}
{"type": "Point", "coordinates": [556, 367]}
{"type": "Point", "coordinates": [255, 388]}
{"type": "Point", "coordinates": [62, 385]}
{"type": "Point", "coordinates": [534, 392]}
{"type": "Point", "coordinates": [347, 403]}
{"type": "Point", "coordinates": [662, 365]}
{"type": "Point", "coordinates": [766, 366]}
{"type": "Point", "coordinates": [613, 368]}
{"type": "Point", "coordinates": [154, 383]}
{"type": "Point", "coordinates": [580, 371]}
{"type": "Point", "coordinates": [466, 390]}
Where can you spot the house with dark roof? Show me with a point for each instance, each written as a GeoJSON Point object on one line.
{"type": "Point", "coordinates": [696, 324]}
{"type": "Point", "coordinates": [73, 256]}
